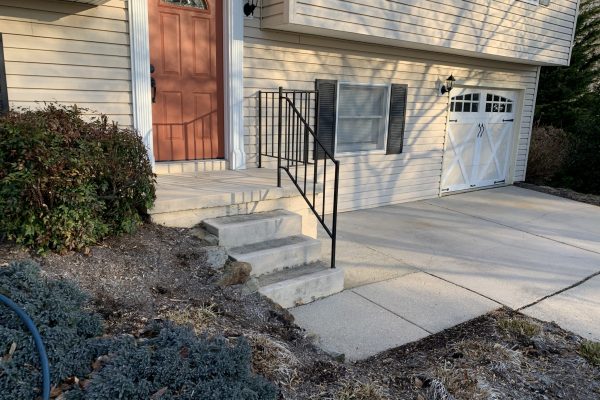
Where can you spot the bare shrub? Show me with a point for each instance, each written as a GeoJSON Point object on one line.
{"type": "Point", "coordinates": [547, 153]}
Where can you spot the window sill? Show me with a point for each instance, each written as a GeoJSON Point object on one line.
{"type": "Point", "coordinates": [360, 153]}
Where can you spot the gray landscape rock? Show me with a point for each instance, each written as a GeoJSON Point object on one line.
{"type": "Point", "coordinates": [216, 256]}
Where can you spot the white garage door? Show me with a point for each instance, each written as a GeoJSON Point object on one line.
{"type": "Point", "coordinates": [479, 139]}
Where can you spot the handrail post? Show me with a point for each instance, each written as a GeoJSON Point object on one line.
{"type": "Point", "coordinates": [279, 134]}
{"type": "Point", "coordinates": [335, 212]}
{"type": "Point", "coordinates": [259, 129]}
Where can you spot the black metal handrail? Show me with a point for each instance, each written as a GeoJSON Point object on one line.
{"type": "Point", "coordinates": [286, 133]}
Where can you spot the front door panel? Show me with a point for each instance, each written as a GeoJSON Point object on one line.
{"type": "Point", "coordinates": [186, 53]}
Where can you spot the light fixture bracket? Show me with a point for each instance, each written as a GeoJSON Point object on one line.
{"type": "Point", "coordinates": [449, 84]}
{"type": "Point", "coordinates": [249, 8]}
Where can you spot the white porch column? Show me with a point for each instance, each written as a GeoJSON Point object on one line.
{"type": "Point", "coordinates": [140, 72]}
{"type": "Point", "coordinates": [233, 36]}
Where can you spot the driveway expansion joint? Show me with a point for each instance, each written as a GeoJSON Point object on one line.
{"type": "Point", "coordinates": [392, 312]}
{"type": "Point", "coordinates": [578, 283]}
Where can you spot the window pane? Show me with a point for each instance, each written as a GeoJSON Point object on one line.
{"type": "Point", "coordinates": [475, 107]}
{"type": "Point", "coordinates": [458, 107]}
{"type": "Point", "coordinates": [452, 106]}
{"type": "Point", "coordinates": [476, 96]}
{"type": "Point", "coordinates": [362, 115]}
{"type": "Point", "coordinates": [362, 100]}
{"type": "Point", "coordinates": [467, 97]}
{"type": "Point", "coordinates": [357, 134]}
{"type": "Point", "coordinates": [201, 4]}
{"type": "Point", "coordinates": [467, 107]}
{"type": "Point", "coordinates": [509, 107]}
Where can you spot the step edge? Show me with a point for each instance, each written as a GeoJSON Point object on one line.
{"type": "Point", "coordinates": [311, 276]}
{"type": "Point", "coordinates": [308, 242]}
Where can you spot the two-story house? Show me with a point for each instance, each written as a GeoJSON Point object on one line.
{"type": "Point", "coordinates": [413, 99]}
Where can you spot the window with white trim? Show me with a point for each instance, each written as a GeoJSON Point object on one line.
{"type": "Point", "coordinates": [362, 117]}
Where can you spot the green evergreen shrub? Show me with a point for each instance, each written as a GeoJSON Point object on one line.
{"type": "Point", "coordinates": [58, 310]}
{"type": "Point", "coordinates": [169, 362]}
{"type": "Point", "coordinates": [66, 183]}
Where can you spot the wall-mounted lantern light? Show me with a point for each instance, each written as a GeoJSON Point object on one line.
{"type": "Point", "coordinates": [249, 8]}
{"type": "Point", "coordinates": [449, 84]}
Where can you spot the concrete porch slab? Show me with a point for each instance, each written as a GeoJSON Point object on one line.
{"type": "Point", "coordinates": [350, 324]}
{"type": "Point", "coordinates": [577, 309]}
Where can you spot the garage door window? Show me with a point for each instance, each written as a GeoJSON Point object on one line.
{"type": "Point", "coordinates": [362, 117]}
{"type": "Point", "coordinates": [497, 104]}
{"type": "Point", "coordinates": [465, 103]}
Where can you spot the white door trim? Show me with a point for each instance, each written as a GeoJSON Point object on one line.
{"type": "Point", "coordinates": [140, 72]}
{"type": "Point", "coordinates": [233, 62]}
{"type": "Point", "coordinates": [233, 54]}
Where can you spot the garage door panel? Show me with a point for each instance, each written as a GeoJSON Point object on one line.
{"type": "Point", "coordinates": [479, 139]}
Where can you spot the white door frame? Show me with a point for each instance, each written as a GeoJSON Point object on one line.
{"type": "Point", "coordinates": [516, 133]}
{"type": "Point", "coordinates": [233, 85]}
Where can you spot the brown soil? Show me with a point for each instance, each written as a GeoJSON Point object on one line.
{"type": "Point", "coordinates": [593, 199]}
{"type": "Point", "coordinates": [164, 273]}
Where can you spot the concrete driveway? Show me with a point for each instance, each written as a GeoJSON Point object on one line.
{"type": "Point", "coordinates": [417, 268]}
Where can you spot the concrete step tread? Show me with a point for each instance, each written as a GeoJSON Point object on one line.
{"type": "Point", "coordinates": [243, 218]}
{"type": "Point", "coordinates": [292, 273]}
{"type": "Point", "coordinates": [300, 285]}
{"type": "Point", "coordinates": [269, 245]}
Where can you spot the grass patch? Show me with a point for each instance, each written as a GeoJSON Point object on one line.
{"type": "Point", "coordinates": [274, 360]}
{"type": "Point", "coordinates": [356, 390]}
{"type": "Point", "coordinates": [519, 327]}
{"type": "Point", "coordinates": [199, 317]}
{"type": "Point", "coordinates": [590, 351]}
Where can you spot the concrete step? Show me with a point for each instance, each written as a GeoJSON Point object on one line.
{"type": "Point", "coordinates": [277, 254]}
{"type": "Point", "coordinates": [301, 285]}
{"type": "Point", "coordinates": [241, 230]}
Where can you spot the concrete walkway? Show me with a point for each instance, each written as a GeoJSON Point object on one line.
{"type": "Point", "coordinates": [417, 268]}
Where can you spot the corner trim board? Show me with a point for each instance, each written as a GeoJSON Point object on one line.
{"type": "Point", "coordinates": [140, 72]}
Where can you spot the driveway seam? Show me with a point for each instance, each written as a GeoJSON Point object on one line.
{"type": "Point", "coordinates": [417, 270]}
{"type": "Point", "coordinates": [512, 227]}
{"type": "Point", "coordinates": [587, 278]}
{"type": "Point", "coordinates": [466, 288]}
{"type": "Point", "coordinates": [392, 312]}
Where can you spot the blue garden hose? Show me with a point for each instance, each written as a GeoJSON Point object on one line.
{"type": "Point", "coordinates": [38, 343]}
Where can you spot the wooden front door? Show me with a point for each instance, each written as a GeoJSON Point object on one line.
{"type": "Point", "coordinates": [186, 53]}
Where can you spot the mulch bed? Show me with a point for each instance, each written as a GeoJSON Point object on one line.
{"type": "Point", "coordinates": [593, 199]}
{"type": "Point", "coordinates": [165, 273]}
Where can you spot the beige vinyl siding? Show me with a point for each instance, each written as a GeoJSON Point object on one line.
{"type": "Point", "coordinates": [70, 53]}
{"type": "Point", "coordinates": [294, 61]}
{"type": "Point", "coordinates": [513, 30]}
